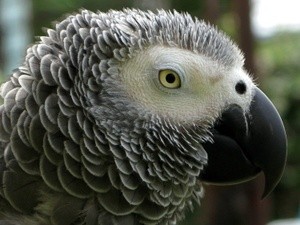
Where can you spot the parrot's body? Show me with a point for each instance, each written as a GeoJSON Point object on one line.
{"type": "Point", "coordinates": [113, 116]}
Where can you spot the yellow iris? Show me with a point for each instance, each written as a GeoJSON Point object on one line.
{"type": "Point", "coordinates": [169, 79]}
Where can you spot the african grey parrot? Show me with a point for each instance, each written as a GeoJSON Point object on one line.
{"type": "Point", "coordinates": [117, 118]}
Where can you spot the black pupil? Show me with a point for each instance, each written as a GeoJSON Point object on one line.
{"type": "Point", "coordinates": [241, 87]}
{"type": "Point", "coordinates": [170, 78]}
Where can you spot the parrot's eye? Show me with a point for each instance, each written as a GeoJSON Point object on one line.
{"type": "Point", "coordinates": [169, 79]}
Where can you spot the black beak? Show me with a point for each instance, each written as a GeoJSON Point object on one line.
{"type": "Point", "coordinates": [246, 144]}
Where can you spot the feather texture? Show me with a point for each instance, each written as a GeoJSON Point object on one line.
{"type": "Point", "coordinates": [75, 150]}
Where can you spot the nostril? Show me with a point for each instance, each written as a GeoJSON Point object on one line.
{"type": "Point", "coordinates": [241, 87]}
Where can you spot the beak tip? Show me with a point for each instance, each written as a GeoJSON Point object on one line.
{"type": "Point", "coordinates": [267, 190]}
{"type": "Point", "coordinates": [272, 179]}
{"type": "Point", "coordinates": [269, 187]}
{"type": "Point", "coordinates": [269, 139]}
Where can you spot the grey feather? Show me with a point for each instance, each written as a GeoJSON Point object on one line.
{"type": "Point", "coordinates": [73, 146]}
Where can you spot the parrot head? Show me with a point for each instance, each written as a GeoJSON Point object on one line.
{"type": "Point", "coordinates": [200, 107]}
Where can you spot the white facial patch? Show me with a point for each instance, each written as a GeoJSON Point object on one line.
{"type": "Point", "coordinates": [207, 87]}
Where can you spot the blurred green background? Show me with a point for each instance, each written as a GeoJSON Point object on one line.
{"type": "Point", "coordinates": [273, 60]}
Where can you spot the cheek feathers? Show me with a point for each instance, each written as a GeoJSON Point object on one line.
{"type": "Point", "coordinates": [207, 87]}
